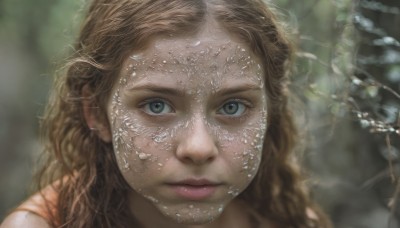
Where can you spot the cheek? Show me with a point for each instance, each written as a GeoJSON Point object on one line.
{"type": "Point", "coordinates": [141, 151]}
{"type": "Point", "coordinates": [137, 147]}
{"type": "Point", "coordinates": [243, 151]}
{"type": "Point", "coordinates": [138, 160]}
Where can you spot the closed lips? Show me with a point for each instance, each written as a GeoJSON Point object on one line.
{"type": "Point", "coordinates": [194, 182]}
{"type": "Point", "coordinates": [194, 189]}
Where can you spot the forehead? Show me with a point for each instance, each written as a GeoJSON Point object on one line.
{"type": "Point", "coordinates": [204, 57]}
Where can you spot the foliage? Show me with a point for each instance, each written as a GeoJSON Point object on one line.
{"type": "Point", "coordinates": [347, 72]}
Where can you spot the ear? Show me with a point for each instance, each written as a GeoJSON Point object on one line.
{"type": "Point", "coordinates": [93, 117]}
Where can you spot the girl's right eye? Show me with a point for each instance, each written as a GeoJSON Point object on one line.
{"type": "Point", "coordinates": [157, 107]}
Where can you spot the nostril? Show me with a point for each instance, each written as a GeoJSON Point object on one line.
{"type": "Point", "coordinates": [196, 160]}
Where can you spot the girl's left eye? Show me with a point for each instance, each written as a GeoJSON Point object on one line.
{"type": "Point", "coordinates": [232, 108]}
{"type": "Point", "coordinates": [157, 107]}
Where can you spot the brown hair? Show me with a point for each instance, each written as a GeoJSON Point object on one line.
{"type": "Point", "coordinates": [91, 190]}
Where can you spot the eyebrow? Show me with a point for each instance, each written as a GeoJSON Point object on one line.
{"type": "Point", "coordinates": [179, 92]}
{"type": "Point", "coordinates": [157, 89]}
{"type": "Point", "coordinates": [238, 89]}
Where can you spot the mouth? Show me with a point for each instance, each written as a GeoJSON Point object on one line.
{"type": "Point", "coordinates": [194, 189]}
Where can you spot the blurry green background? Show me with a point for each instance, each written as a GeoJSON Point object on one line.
{"type": "Point", "coordinates": [345, 54]}
{"type": "Point", "coordinates": [34, 39]}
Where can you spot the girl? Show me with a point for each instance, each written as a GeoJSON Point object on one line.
{"type": "Point", "coordinates": [172, 114]}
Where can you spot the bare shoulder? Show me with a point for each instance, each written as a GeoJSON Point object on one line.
{"type": "Point", "coordinates": [24, 219]}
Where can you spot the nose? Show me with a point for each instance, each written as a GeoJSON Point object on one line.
{"type": "Point", "coordinates": [197, 145]}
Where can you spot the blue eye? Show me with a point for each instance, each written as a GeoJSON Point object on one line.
{"type": "Point", "coordinates": [157, 107]}
{"type": "Point", "coordinates": [232, 108]}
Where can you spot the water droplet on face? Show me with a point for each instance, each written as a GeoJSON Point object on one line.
{"type": "Point", "coordinates": [133, 74]}
{"type": "Point", "coordinates": [152, 199]}
{"type": "Point", "coordinates": [165, 61]}
{"type": "Point", "coordinates": [136, 57]}
{"type": "Point", "coordinates": [160, 137]}
{"type": "Point", "coordinates": [233, 191]}
{"type": "Point", "coordinates": [178, 217]}
{"type": "Point", "coordinates": [122, 81]}
{"type": "Point", "coordinates": [143, 156]}
{"type": "Point", "coordinates": [126, 164]}
{"type": "Point", "coordinates": [196, 44]}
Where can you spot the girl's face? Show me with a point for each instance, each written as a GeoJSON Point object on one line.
{"type": "Point", "coordinates": [188, 119]}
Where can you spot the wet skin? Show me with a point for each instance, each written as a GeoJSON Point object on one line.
{"type": "Point", "coordinates": [188, 118]}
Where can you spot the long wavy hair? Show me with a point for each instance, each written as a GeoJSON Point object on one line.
{"type": "Point", "coordinates": [91, 190]}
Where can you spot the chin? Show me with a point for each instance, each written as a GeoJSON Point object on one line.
{"type": "Point", "coordinates": [193, 216]}
{"type": "Point", "coordinates": [195, 219]}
